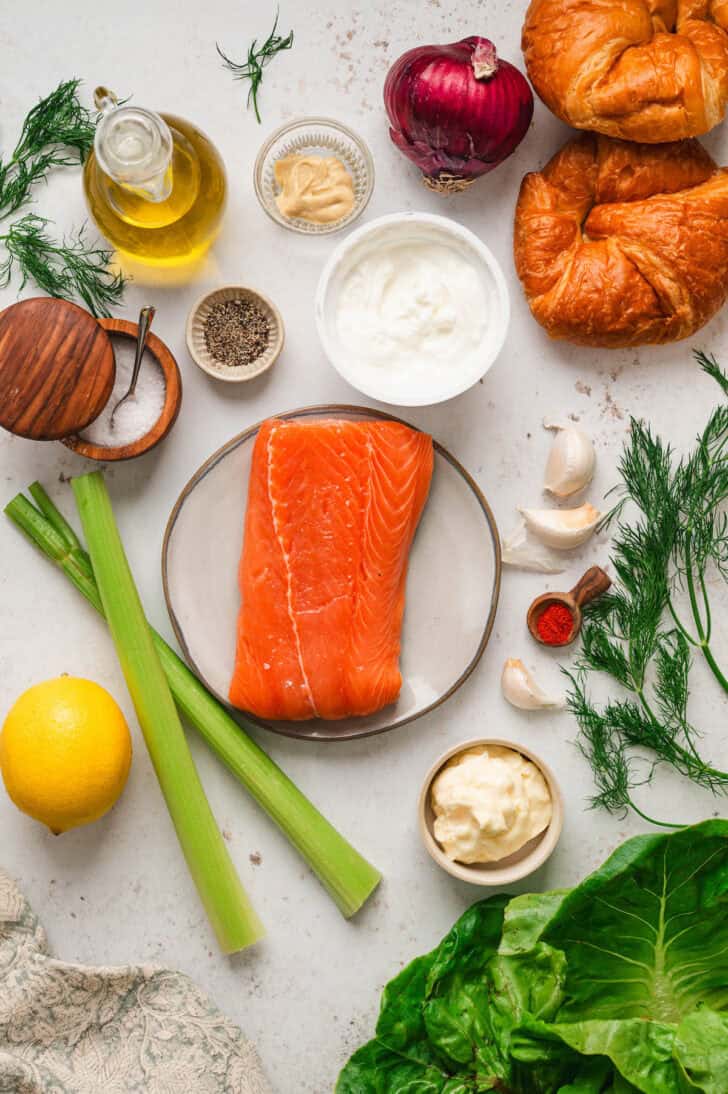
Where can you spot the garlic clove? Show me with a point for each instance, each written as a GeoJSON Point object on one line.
{"type": "Point", "coordinates": [570, 466]}
{"type": "Point", "coordinates": [523, 552]}
{"type": "Point", "coordinates": [562, 528]}
{"type": "Point", "coordinates": [522, 691]}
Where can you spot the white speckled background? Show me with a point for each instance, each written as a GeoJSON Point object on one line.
{"type": "Point", "coordinates": [119, 891]}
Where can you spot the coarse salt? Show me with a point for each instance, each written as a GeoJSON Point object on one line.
{"type": "Point", "coordinates": [139, 414]}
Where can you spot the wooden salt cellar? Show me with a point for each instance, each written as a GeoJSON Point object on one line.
{"type": "Point", "coordinates": [57, 368]}
{"type": "Point", "coordinates": [172, 399]}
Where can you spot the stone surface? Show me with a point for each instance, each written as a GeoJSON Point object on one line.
{"type": "Point", "coordinates": [119, 891]}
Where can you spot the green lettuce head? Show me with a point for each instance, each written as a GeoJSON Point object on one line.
{"type": "Point", "coordinates": [618, 985]}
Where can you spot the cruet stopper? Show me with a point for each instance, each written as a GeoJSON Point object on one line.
{"type": "Point", "coordinates": [133, 147]}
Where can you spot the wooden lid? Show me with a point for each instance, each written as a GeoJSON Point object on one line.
{"type": "Point", "coordinates": [57, 368]}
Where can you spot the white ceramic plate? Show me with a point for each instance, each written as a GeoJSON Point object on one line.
{"type": "Point", "coordinates": [452, 585]}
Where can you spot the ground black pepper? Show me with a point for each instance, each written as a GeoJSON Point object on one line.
{"type": "Point", "coordinates": [236, 332]}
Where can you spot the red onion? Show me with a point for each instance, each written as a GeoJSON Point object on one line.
{"type": "Point", "coordinates": [456, 111]}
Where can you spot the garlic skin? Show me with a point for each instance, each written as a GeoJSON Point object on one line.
{"type": "Point", "coordinates": [524, 552]}
{"type": "Point", "coordinates": [562, 528]}
{"type": "Point", "coordinates": [570, 466]}
{"type": "Point", "coordinates": [522, 691]}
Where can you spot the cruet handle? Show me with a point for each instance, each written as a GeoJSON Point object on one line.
{"type": "Point", "coordinates": [105, 100]}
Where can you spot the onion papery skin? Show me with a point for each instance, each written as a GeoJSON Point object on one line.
{"type": "Point", "coordinates": [453, 124]}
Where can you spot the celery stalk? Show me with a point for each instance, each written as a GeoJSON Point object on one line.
{"type": "Point", "coordinates": [348, 877]}
{"type": "Point", "coordinates": [228, 908]}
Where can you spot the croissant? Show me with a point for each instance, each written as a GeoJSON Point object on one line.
{"type": "Point", "coordinates": [643, 70]}
{"type": "Point", "coordinates": [621, 244]}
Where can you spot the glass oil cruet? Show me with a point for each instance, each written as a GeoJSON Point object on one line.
{"type": "Point", "coordinates": [155, 185]}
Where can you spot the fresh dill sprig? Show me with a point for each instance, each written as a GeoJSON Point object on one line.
{"type": "Point", "coordinates": [258, 57]}
{"type": "Point", "coordinates": [73, 269]}
{"type": "Point", "coordinates": [701, 540]}
{"type": "Point", "coordinates": [58, 132]}
{"type": "Point", "coordinates": [635, 635]}
{"type": "Point", "coordinates": [604, 744]}
{"type": "Point", "coordinates": [713, 369]}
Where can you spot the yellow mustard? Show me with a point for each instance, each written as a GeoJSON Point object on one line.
{"type": "Point", "coordinates": [314, 188]}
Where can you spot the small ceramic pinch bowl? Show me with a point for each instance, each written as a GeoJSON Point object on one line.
{"type": "Point", "coordinates": [314, 137]}
{"type": "Point", "coordinates": [514, 867]}
{"type": "Point", "coordinates": [197, 346]}
{"type": "Point", "coordinates": [124, 328]}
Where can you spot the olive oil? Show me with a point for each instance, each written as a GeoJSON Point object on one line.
{"type": "Point", "coordinates": [155, 185]}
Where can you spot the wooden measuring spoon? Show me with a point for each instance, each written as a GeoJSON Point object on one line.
{"type": "Point", "coordinates": [594, 583]}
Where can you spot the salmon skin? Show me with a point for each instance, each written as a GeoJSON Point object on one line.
{"type": "Point", "coordinates": [332, 510]}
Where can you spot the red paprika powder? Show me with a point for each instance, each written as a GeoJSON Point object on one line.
{"type": "Point", "coordinates": [555, 624]}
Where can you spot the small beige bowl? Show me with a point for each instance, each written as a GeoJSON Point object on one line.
{"type": "Point", "coordinates": [516, 866]}
{"type": "Point", "coordinates": [195, 335]}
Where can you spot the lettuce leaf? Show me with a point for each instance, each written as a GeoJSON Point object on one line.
{"type": "Point", "coordinates": [701, 1050]}
{"type": "Point", "coordinates": [645, 940]}
{"type": "Point", "coordinates": [434, 1021]}
{"type": "Point", "coordinates": [619, 985]}
{"type": "Point", "coordinates": [646, 935]}
{"type": "Point", "coordinates": [641, 1052]}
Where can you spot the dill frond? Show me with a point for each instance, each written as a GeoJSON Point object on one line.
{"type": "Point", "coordinates": [604, 749]}
{"type": "Point", "coordinates": [73, 269]}
{"type": "Point", "coordinates": [712, 368]}
{"type": "Point", "coordinates": [634, 635]}
{"type": "Point", "coordinates": [57, 132]}
{"type": "Point", "coordinates": [602, 653]}
{"type": "Point", "coordinates": [672, 667]}
{"type": "Point", "coordinates": [258, 57]}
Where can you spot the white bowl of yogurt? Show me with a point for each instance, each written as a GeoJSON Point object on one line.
{"type": "Point", "coordinates": [412, 309]}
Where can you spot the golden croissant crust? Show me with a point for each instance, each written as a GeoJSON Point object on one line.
{"type": "Point", "coordinates": [643, 70]}
{"type": "Point", "coordinates": [621, 244]}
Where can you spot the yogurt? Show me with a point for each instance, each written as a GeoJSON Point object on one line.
{"type": "Point", "coordinates": [415, 308]}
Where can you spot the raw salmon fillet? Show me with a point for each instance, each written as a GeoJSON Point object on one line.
{"type": "Point", "coordinates": [332, 510]}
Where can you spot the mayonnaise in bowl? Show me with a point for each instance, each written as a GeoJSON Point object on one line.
{"type": "Point", "coordinates": [490, 811]}
{"type": "Point", "coordinates": [489, 802]}
{"type": "Point", "coordinates": [412, 309]}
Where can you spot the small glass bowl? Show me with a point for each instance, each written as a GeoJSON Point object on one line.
{"type": "Point", "coordinates": [314, 136]}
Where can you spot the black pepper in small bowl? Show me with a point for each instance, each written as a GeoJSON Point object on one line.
{"type": "Point", "coordinates": [234, 333]}
{"type": "Point", "coordinates": [237, 332]}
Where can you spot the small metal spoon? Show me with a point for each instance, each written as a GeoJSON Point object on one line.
{"type": "Point", "coordinates": [146, 315]}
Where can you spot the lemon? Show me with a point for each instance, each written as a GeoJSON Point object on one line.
{"type": "Point", "coordinates": [65, 752]}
